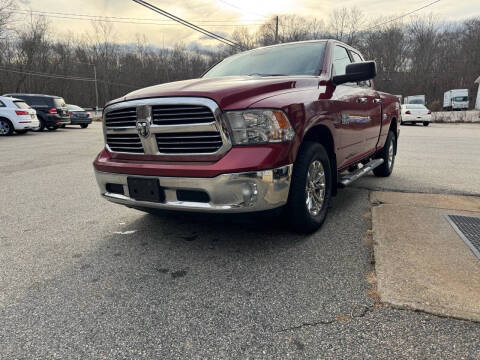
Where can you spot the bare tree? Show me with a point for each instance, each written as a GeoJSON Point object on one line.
{"type": "Point", "coordinates": [6, 16]}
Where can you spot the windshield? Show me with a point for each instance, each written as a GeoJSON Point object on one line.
{"type": "Point", "coordinates": [414, 106]}
{"type": "Point", "coordinates": [291, 59]}
{"type": "Point", "coordinates": [74, 108]}
{"type": "Point", "coordinates": [460, 98]}
{"type": "Point", "coordinates": [21, 105]}
{"type": "Point", "coordinates": [415, 101]}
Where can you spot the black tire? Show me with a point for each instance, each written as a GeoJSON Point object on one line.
{"type": "Point", "coordinates": [84, 126]}
{"type": "Point", "coordinates": [426, 123]}
{"type": "Point", "coordinates": [21, 131]}
{"type": "Point", "coordinates": [386, 168]}
{"type": "Point", "coordinates": [41, 126]}
{"type": "Point", "coordinates": [63, 126]}
{"type": "Point", "coordinates": [52, 127]}
{"type": "Point", "coordinates": [301, 218]}
{"type": "Point", "coordinates": [6, 127]}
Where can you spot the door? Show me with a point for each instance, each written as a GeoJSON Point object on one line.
{"type": "Point", "coordinates": [357, 113]}
{"type": "Point", "coordinates": [373, 110]}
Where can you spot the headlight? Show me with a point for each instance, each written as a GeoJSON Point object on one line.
{"type": "Point", "coordinates": [259, 126]}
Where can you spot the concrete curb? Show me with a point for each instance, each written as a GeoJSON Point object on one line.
{"type": "Point", "coordinates": [471, 116]}
{"type": "Point", "coordinates": [420, 262]}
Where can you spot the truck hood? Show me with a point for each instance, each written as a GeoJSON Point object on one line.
{"type": "Point", "coordinates": [229, 92]}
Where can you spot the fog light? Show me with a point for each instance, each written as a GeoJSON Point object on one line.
{"type": "Point", "coordinates": [250, 194]}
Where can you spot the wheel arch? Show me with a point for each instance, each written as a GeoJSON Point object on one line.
{"type": "Point", "coordinates": [322, 135]}
{"type": "Point", "coordinates": [3, 117]}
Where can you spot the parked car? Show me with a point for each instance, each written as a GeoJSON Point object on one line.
{"type": "Point", "coordinates": [456, 99]}
{"type": "Point", "coordinates": [16, 115]}
{"type": "Point", "coordinates": [414, 99]}
{"type": "Point", "coordinates": [51, 110]}
{"type": "Point", "coordinates": [78, 116]}
{"type": "Point", "coordinates": [416, 113]}
{"type": "Point", "coordinates": [276, 127]}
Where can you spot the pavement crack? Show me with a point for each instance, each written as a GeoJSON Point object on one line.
{"type": "Point", "coordinates": [341, 318]}
{"type": "Point", "coordinates": [308, 324]}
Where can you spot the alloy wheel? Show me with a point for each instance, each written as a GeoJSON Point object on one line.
{"type": "Point", "coordinates": [4, 127]}
{"type": "Point", "coordinates": [315, 188]}
{"type": "Point", "coordinates": [391, 154]}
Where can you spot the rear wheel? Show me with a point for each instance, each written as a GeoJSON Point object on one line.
{"type": "Point", "coordinates": [41, 127]}
{"type": "Point", "coordinates": [388, 156]}
{"type": "Point", "coordinates": [310, 189]}
{"type": "Point", "coordinates": [426, 123]}
{"type": "Point", "coordinates": [84, 126]}
{"type": "Point", "coordinates": [52, 127]}
{"type": "Point", "coordinates": [6, 127]}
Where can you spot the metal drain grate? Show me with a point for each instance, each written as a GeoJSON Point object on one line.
{"type": "Point", "coordinates": [468, 228]}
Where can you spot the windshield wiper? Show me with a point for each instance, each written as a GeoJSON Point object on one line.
{"type": "Point", "coordinates": [258, 74]}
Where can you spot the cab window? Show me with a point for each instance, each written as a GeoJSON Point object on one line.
{"type": "Point", "coordinates": [357, 58]}
{"type": "Point", "coordinates": [340, 61]}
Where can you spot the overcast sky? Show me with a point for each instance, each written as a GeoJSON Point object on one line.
{"type": "Point", "coordinates": [227, 13]}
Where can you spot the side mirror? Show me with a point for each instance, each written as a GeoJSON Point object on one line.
{"type": "Point", "coordinates": [356, 72]}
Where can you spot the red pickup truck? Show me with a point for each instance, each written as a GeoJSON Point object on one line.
{"type": "Point", "coordinates": [281, 126]}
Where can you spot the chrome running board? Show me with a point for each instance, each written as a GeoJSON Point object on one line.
{"type": "Point", "coordinates": [347, 179]}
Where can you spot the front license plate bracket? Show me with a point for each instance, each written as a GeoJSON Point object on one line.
{"type": "Point", "coordinates": [143, 189]}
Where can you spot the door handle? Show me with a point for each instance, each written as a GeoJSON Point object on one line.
{"type": "Point", "coordinates": [362, 100]}
{"type": "Point", "coordinates": [377, 101]}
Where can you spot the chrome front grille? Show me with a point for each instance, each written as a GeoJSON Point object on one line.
{"type": "Point", "coordinates": [188, 143]}
{"type": "Point", "coordinates": [125, 143]}
{"type": "Point", "coordinates": [175, 129]}
{"type": "Point", "coordinates": [181, 115]}
{"type": "Point", "coordinates": [121, 117]}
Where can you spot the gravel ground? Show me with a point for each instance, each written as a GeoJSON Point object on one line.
{"type": "Point", "coordinates": [84, 278]}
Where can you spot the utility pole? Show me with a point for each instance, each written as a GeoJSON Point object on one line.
{"type": "Point", "coordinates": [276, 29]}
{"type": "Point", "coordinates": [95, 80]}
{"type": "Point", "coordinates": [96, 88]}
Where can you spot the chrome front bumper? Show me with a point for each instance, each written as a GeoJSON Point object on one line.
{"type": "Point", "coordinates": [228, 193]}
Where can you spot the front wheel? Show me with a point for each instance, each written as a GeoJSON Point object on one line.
{"type": "Point", "coordinates": [426, 123]}
{"type": "Point", "coordinates": [310, 188]}
{"type": "Point", "coordinates": [52, 127]}
{"type": "Point", "coordinates": [388, 155]}
{"type": "Point", "coordinates": [84, 126]}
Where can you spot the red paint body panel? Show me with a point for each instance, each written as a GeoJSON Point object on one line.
{"type": "Point", "coordinates": [358, 129]}
{"type": "Point", "coordinates": [229, 92]}
{"type": "Point", "coordinates": [238, 159]}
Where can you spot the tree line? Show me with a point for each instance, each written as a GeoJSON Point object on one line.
{"type": "Point", "coordinates": [420, 56]}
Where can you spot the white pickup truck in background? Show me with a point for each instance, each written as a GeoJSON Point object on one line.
{"type": "Point", "coordinates": [456, 99]}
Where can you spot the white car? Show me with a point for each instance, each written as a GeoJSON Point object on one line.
{"type": "Point", "coordinates": [416, 113]}
{"type": "Point", "coordinates": [16, 115]}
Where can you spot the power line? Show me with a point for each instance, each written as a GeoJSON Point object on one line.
{"type": "Point", "coordinates": [122, 20]}
{"type": "Point", "coordinates": [112, 17]}
{"type": "Point", "coordinates": [241, 9]}
{"type": "Point", "coordinates": [189, 24]}
{"type": "Point", "coordinates": [402, 16]}
{"type": "Point", "coordinates": [62, 77]}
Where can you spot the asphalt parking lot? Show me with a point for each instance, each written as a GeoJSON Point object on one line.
{"type": "Point", "coordinates": [84, 278]}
